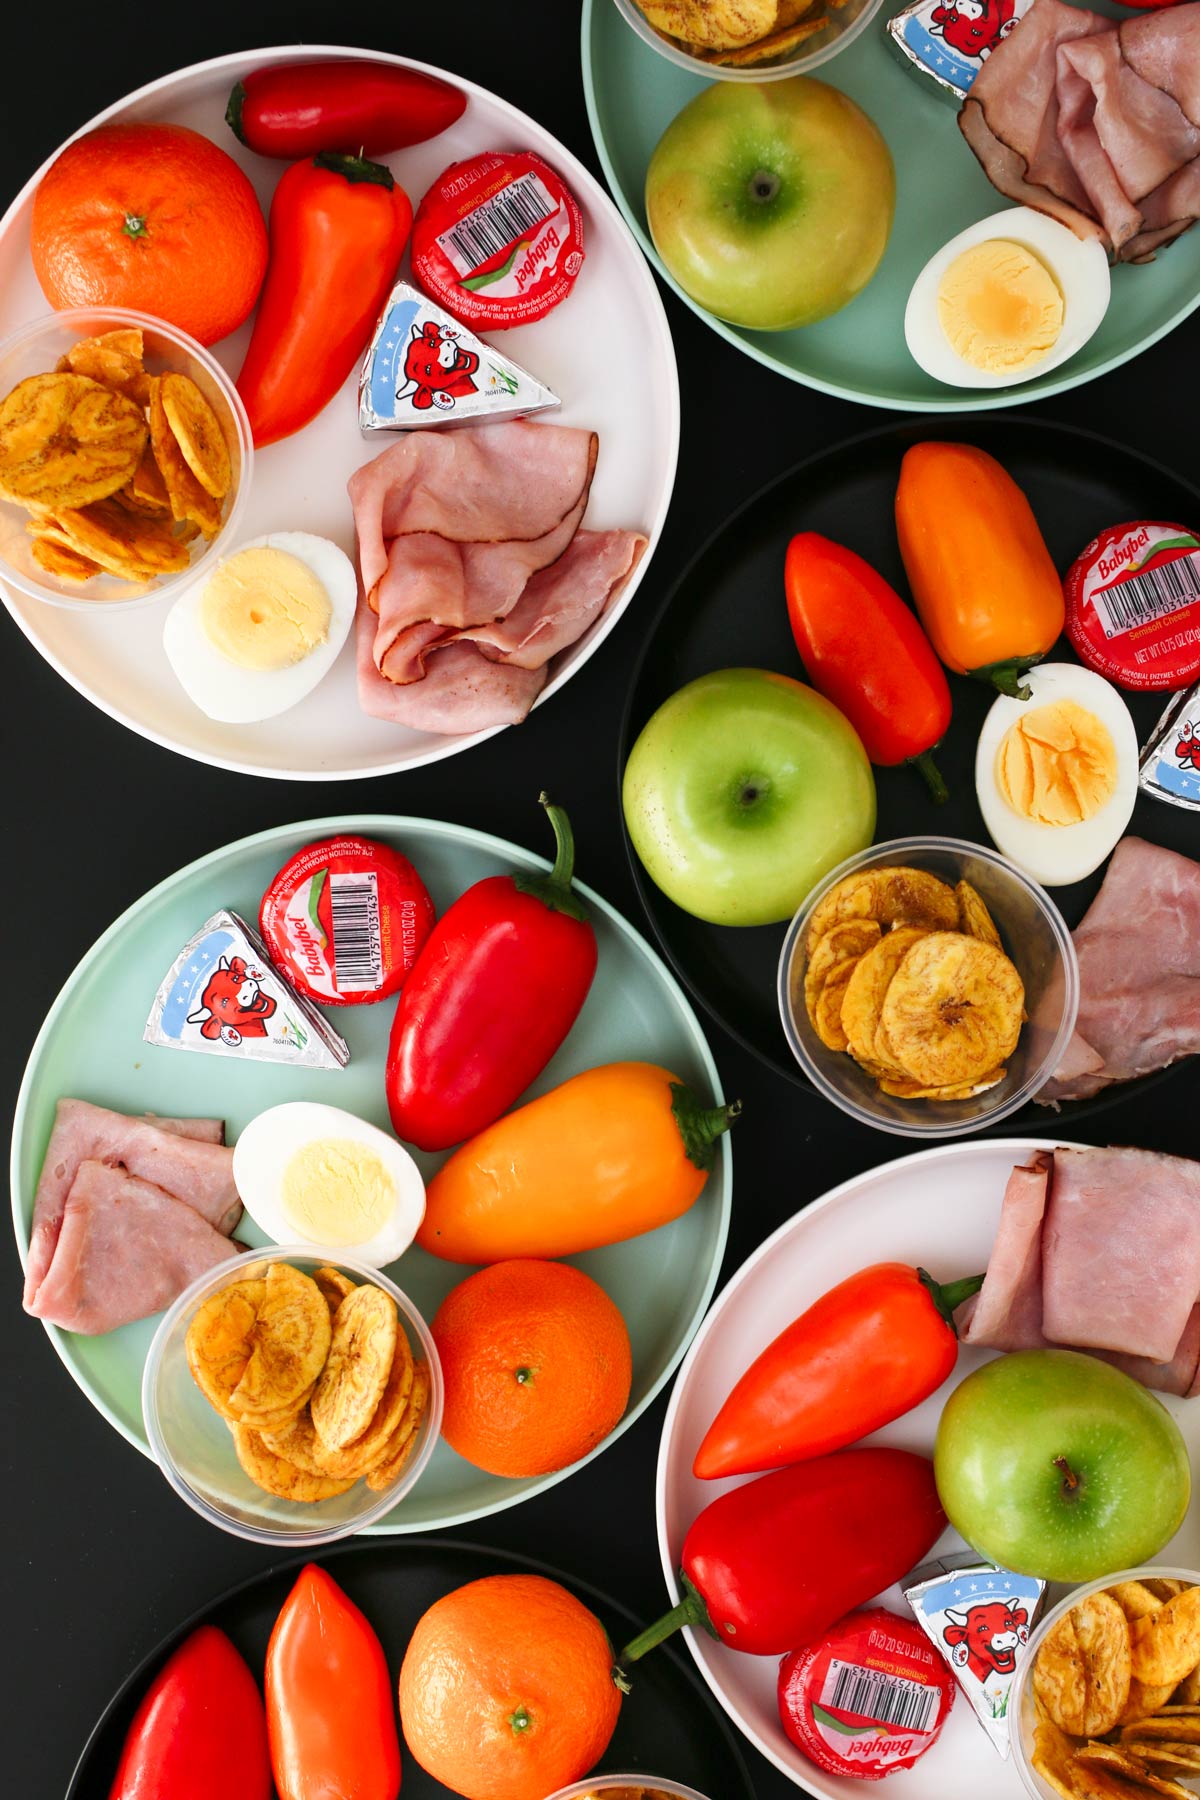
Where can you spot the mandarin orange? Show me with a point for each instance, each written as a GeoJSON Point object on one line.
{"type": "Point", "coordinates": [506, 1689]}
{"type": "Point", "coordinates": [151, 217]}
{"type": "Point", "coordinates": [537, 1366]}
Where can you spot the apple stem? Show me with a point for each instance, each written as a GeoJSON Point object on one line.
{"type": "Point", "coordinates": [949, 1295]}
{"type": "Point", "coordinates": [1070, 1478]}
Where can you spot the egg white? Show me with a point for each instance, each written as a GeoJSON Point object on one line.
{"type": "Point", "coordinates": [269, 1142]}
{"type": "Point", "coordinates": [1079, 266]}
{"type": "Point", "coordinates": [1056, 855]}
{"type": "Point", "coordinates": [238, 696]}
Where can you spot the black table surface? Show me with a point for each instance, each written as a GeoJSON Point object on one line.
{"type": "Point", "coordinates": [100, 1558]}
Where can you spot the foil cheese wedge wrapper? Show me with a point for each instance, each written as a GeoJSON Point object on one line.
{"type": "Point", "coordinates": [1169, 765]}
{"type": "Point", "coordinates": [980, 1618]}
{"type": "Point", "coordinates": [223, 997]}
{"type": "Point", "coordinates": [947, 42]}
{"type": "Point", "coordinates": [423, 369]}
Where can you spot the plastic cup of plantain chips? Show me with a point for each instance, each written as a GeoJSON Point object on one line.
{"type": "Point", "coordinates": [928, 987]}
{"type": "Point", "coordinates": [748, 40]}
{"type": "Point", "coordinates": [125, 459]}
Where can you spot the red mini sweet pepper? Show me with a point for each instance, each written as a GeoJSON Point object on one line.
{"type": "Point", "coordinates": [771, 1564]}
{"type": "Point", "coordinates": [495, 991]}
{"type": "Point", "coordinates": [870, 1349]}
{"type": "Point", "coordinates": [865, 650]}
{"type": "Point", "coordinates": [337, 228]}
{"type": "Point", "coordinates": [200, 1730]}
{"type": "Point", "coordinates": [330, 1711]}
{"type": "Point", "coordinates": [296, 109]}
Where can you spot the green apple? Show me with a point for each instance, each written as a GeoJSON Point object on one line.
{"type": "Point", "coordinates": [771, 202]}
{"type": "Point", "coordinates": [742, 791]}
{"type": "Point", "coordinates": [1052, 1463]}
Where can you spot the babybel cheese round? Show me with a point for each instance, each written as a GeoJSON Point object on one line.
{"type": "Point", "coordinates": [345, 920]}
{"type": "Point", "coordinates": [498, 240]}
{"type": "Point", "coordinates": [1133, 605]}
{"type": "Point", "coordinates": [869, 1698]}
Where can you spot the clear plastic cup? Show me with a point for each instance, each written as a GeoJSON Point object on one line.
{"type": "Point", "coordinates": [637, 1784]}
{"type": "Point", "coordinates": [1022, 1720]}
{"type": "Point", "coordinates": [845, 23]}
{"type": "Point", "coordinates": [192, 1443]}
{"type": "Point", "coordinates": [34, 350]}
{"type": "Point", "coordinates": [1034, 936]}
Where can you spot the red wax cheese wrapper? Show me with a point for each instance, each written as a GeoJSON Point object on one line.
{"type": "Point", "coordinates": [868, 1699]}
{"type": "Point", "coordinates": [345, 920]}
{"type": "Point", "coordinates": [498, 239]}
{"type": "Point", "coordinates": [1133, 605]}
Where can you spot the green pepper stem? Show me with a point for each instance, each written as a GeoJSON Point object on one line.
{"type": "Point", "coordinates": [354, 168]}
{"type": "Point", "coordinates": [555, 890]}
{"type": "Point", "coordinates": [949, 1295]}
{"type": "Point", "coordinates": [700, 1126]}
{"type": "Point", "coordinates": [690, 1611]}
{"type": "Point", "coordinates": [233, 112]}
{"type": "Point", "coordinates": [933, 776]}
{"type": "Point", "coordinates": [1005, 677]}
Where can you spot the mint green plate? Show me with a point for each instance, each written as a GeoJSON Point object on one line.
{"type": "Point", "coordinates": [859, 354]}
{"type": "Point", "coordinates": [91, 1048]}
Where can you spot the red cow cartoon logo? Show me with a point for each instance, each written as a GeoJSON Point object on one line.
{"type": "Point", "coordinates": [1187, 750]}
{"type": "Point", "coordinates": [438, 369]}
{"type": "Point", "coordinates": [233, 1005]}
{"type": "Point", "coordinates": [985, 1639]}
{"type": "Point", "coordinates": [973, 27]}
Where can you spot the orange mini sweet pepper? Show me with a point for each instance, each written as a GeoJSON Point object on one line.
{"type": "Point", "coordinates": [982, 578]}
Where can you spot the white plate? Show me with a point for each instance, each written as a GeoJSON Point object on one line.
{"type": "Point", "coordinates": [606, 352]}
{"type": "Point", "coordinates": [937, 1209]}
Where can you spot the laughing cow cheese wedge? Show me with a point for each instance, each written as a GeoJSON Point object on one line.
{"type": "Point", "coordinates": [424, 368]}
{"type": "Point", "coordinates": [980, 1618]}
{"type": "Point", "coordinates": [222, 996]}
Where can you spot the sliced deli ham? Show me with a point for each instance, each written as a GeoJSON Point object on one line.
{"type": "Point", "coordinates": [471, 554]}
{"type": "Point", "coordinates": [189, 1165]}
{"type": "Point", "coordinates": [1138, 947]}
{"type": "Point", "coordinates": [1093, 122]}
{"type": "Point", "coordinates": [126, 1249]}
{"type": "Point", "coordinates": [1006, 1314]}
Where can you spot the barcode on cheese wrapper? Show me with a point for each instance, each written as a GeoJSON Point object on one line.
{"type": "Point", "coordinates": [357, 950]}
{"type": "Point", "coordinates": [1154, 594]}
{"type": "Point", "coordinates": [497, 224]}
{"type": "Point", "coordinates": [871, 1694]}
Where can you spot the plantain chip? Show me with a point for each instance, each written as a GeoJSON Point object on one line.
{"type": "Point", "coordinates": [197, 431]}
{"type": "Point", "coordinates": [145, 490]}
{"type": "Point", "coordinates": [406, 1436]}
{"type": "Point", "coordinates": [1182, 1730]}
{"type": "Point", "coordinates": [1053, 1757]}
{"type": "Point", "coordinates": [893, 896]}
{"type": "Point", "coordinates": [1143, 1701]}
{"type": "Point", "coordinates": [220, 1338]}
{"type": "Point", "coordinates": [335, 1286]}
{"type": "Point", "coordinates": [361, 1352]}
{"type": "Point", "coordinates": [1183, 1759]}
{"type": "Point", "coordinates": [360, 1456]}
{"type": "Point", "coordinates": [1135, 1599]}
{"type": "Point", "coordinates": [1166, 1645]}
{"type": "Point", "coordinates": [187, 498]}
{"type": "Point", "coordinates": [954, 1010]}
{"type": "Point", "coordinates": [1165, 1586]}
{"type": "Point", "coordinates": [275, 1475]}
{"type": "Point", "coordinates": [974, 917]}
{"type": "Point", "coordinates": [711, 24]}
{"type": "Point", "coordinates": [290, 1344]}
{"type": "Point", "coordinates": [66, 441]}
{"type": "Point", "coordinates": [1121, 1760]}
{"type": "Point", "coordinates": [862, 1007]}
{"type": "Point", "coordinates": [124, 543]}
{"type": "Point", "coordinates": [1084, 1668]}
{"type": "Point", "coordinates": [768, 49]}
{"type": "Point", "coordinates": [1188, 1690]}
{"type": "Point", "coordinates": [114, 359]}
{"type": "Point", "coordinates": [964, 1090]}
{"type": "Point", "coordinates": [60, 560]}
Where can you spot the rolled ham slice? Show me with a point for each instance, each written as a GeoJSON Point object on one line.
{"type": "Point", "coordinates": [195, 1169]}
{"type": "Point", "coordinates": [1121, 1251]}
{"type": "Point", "coordinates": [125, 1249]}
{"type": "Point", "coordinates": [1006, 1313]}
{"type": "Point", "coordinates": [1179, 1376]}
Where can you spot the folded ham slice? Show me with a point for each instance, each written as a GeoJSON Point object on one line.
{"type": "Point", "coordinates": [191, 1165]}
{"type": "Point", "coordinates": [1121, 1251]}
{"type": "Point", "coordinates": [1139, 973]}
{"type": "Point", "coordinates": [125, 1249]}
{"type": "Point", "coordinates": [1099, 1251]}
{"type": "Point", "coordinates": [471, 555]}
{"type": "Point", "coordinates": [1095, 123]}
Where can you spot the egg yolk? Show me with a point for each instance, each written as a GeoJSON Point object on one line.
{"type": "Point", "coordinates": [265, 609]}
{"type": "Point", "coordinates": [1000, 307]}
{"type": "Point", "coordinates": [335, 1191]}
{"type": "Point", "coordinates": [1057, 764]}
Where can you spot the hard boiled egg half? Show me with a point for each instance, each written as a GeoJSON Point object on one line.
{"type": "Point", "coordinates": [1007, 299]}
{"type": "Point", "coordinates": [311, 1174]}
{"type": "Point", "coordinates": [265, 626]}
{"type": "Point", "coordinates": [1057, 774]}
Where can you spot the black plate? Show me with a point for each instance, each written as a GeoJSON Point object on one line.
{"type": "Point", "coordinates": [669, 1724]}
{"type": "Point", "coordinates": [727, 610]}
